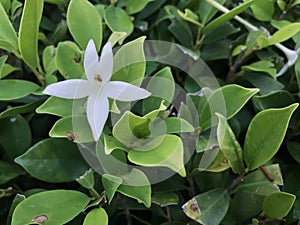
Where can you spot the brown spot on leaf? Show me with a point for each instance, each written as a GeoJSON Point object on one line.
{"type": "Point", "coordinates": [40, 219]}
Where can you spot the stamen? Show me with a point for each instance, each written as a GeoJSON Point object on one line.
{"type": "Point", "coordinates": [97, 78]}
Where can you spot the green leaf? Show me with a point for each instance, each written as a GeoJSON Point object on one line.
{"type": "Point", "coordinates": [265, 135]}
{"type": "Point", "coordinates": [111, 184]}
{"type": "Point", "coordinates": [227, 16]}
{"type": "Point", "coordinates": [21, 89]}
{"type": "Point", "coordinates": [208, 208]}
{"type": "Point", "coordinates": [29, 30]}
{"type": "Point", "coordinates": [190, 16]}
{"type": "Point", "coordinates": [96, 216]}
{"type": "Point", "coordinates": [111, 144]}
{"type": "Point", "coordinates": [84, 23]}
{"type": "Point", "coordinates": [15, 135]}
{"type": "Point", "coordinates": [130, 62]}
{"type": "Point", "coordinates": [2, 62]}
{"type": "Point", "coordinates": [165, 199]}
{"type": "Point", "coordinates": [50, 207]}
{"type": "Point", "coordinates": [69, 61]}
{"type": "Point", "coordinates": [227, 100]}
{"type": "Point", "coordinates": [62, 107]}
{"type": "Point", "coordinates": [49, 61]}
{"type": "Point", "coordinates": [263, 10]}
{"type": "Point", "coordinates": [278, 205]}
{"type": "Point", "coordinates": [14, 111]}
{"type": "Point", "coordinates": [229, 145]}
{"type": "Point", "coordinates": [8, 36]}
{"type": "Point", "coordinates": [8, 172]}
{"type": "Point", "coordinates": [207, 11]}
{"type": "Point", "coordinates": [136, 185]}
{"type": "Point", "coordinates": [135, 6]}
{"type": "Point", "coordinates": [53, 160]}
{"type": "Point", "coordinates": [261, 66]}
{"type": "Point", "coordinates": [168, 152]}
{"type": "Point", "coordinates": [177, 125]}
{"type": "Point", "coordinates": [284, 33]}
{"type": "Point", "coordinates": [213, 160]}
{"type": "Point", "coordinates": [294, 150]}
{"type": "Point", "coordinates": [118, 20]}
{"type": "Point", "coordinates": [78, 126]}
{"type": "Point", "coordinates": [87, 179]}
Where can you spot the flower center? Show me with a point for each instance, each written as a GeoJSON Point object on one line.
{"type": "Point", "coordinates": [97, 78]}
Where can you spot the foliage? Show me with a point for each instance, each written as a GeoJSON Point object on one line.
{"type": "Point", "coordinates": [228, 154]}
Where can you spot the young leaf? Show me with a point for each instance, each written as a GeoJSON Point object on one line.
{"type": "Point", "coordinates": [229, 145]}
{"type": "Point", "coordinates": [50, 207]}
{"type": "Point", "coordinates": [96, 216]}
{"type": "Point", "coordinates": [84, 23]}
{"type": "Point", "coordinates": [8, 36]}
{"type": "Point", "coordinates": [111, 184]}
{"type": "Point", "coordinates": [29, 30]}
{"type": "Point", "coordinates": [284, 33]}
{"type": "Point", "coordinates": [265, 135]}
{"type": "Point", "coordinates": [278, 205]}
{"type": "Point", "coordinates": [208, 208]}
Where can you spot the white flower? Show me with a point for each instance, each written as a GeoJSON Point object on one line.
{"type": "Point", "coordinates": [97, 87]}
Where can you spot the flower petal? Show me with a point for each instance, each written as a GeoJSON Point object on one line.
{"type": "Point", "coordinates": [106, 62]}
{"type": "Point", "coordinates": [124, 91]}
{"type": "Point", "coordinates": [91, 61]}
{"type": "Point", "coordinates": [97, 112]}
{"type": "Point", "coordinates": [70, 89]}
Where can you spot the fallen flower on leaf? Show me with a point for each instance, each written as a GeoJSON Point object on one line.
{"type": "Point", "coordinates": [98, 87]}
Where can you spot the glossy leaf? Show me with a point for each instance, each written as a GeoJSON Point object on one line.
{"type": "Point", "coordinates": [263, 10]}
{"type": "Point", "coordinates": [261, 66]}
{"type": "Point", "coordinates": [15, 135]}
{"type": "Point", "coordinates": [84, 23]}
{"type": "Point", "coordinates": [8, 172]}
{"type": "Point", "coordinates": [136, 185]}
{"type": "Point", "coordinates": [118, 20]}
{"type": "Point", "coordinates": [69, 61]}
{"type": "Point", "coordinates": [29, 30]}
{"type": "Point", "coordinates": [227, 16]}
{"type": "Point", "coordinates": [227, 100]}
{"type": "Point", "coordinates": [168, 152]}
{"type": "Point", "coordinates": [53, 160]}
{"type": "Point", "coordinates": [21, 89]}
{"type": "Point", "coordinates": [111, 184]}
{"type": "Point", "coordinates": [96, 216]}
{"type": "Point", "coordinates": [284, 33]}
{"type": "Point", "coordinates": [8, 36]}
{"type": "Point", "coordinates": [135, 6]}
{"type": "Point", "coordinates": [87, 179]}
{"type": "Point", "coordinates": [229, 145]}
{"type": "Point", "coordinates": [278, 205]}
{"type": "Point", "coordinates": [265, 134]}
{"type": "Point", "coordinates": [50, 207]}
{"type": "Point", "coordinates": [208, 208]}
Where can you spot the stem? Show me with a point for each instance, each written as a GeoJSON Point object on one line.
{"type": "Point", "coordinates": [39, 76]}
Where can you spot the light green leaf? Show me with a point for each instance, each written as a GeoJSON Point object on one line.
{"type": "Point", "coordinates": [190, 16]}
{"type": "Point", "coordinates": [8, 172]}
{"type": "Point", "coordinates": [136, 185]}
{"type": "Point", "coordinates": [15, 135]}
{"type": "Point", "coordinates": [111, 184]}
{"type": "Point", "coordinates": [50, 207]}
{"type": "Point", "coordinates": [227, 100]}
{"type": "Point", "coordinates": [229, 145]}
{"type": "Point", "coordinates": [118, 20]}
{"type": "Point", "coordinates": [116, 37]}
{"type": "Point", "coordinates": [62, 107]}
{"type": "Point", "coordinates": [135, 6]}
{"type": "Point", "coordinates": [96, 216]}
{"type": "Point", "coordinates": [110, 144]}
{"type": "Point", "coordinates": [53, 160]}
{"type": "Point", "coordinates": [87, 179]}
{"type": "Point", "coordinates": [130, 62]}
{"type": "Point", "coordinates": [21, 89]}
{"type": "Point", "coordinates": [84, 23]}
{"type": "Point", "coordinates": [262, 66]}
{"type": "Point", "coordinates": [165, 199]}
{"type": "Point", "coordinates": [2, 63]}
{"type": "Point", "coordinates": [213, 160]}
{"type": "Point", "coordinates": [168, 152]}
{"type": "Point", "coordinates": [177, 125]}
{"type": "Point", "coordinates": [77, 126]}
{"type": "Point", "coordinates": [8, 36]}
{"type": "Point", "coordinates": [29, 30]}
{"type": "Point", "coordinates": [278, 205]}
{"type": "Point", "coordinates": [265, 135]}
{"type": "Point", "coordinates": [227, 16]}
{"type": "Point", "coordinates": [208, 208]}
{"type": "Point", "coordinates": [49, 60]}
{"type": "Point", "coordinates": [69, 61]}
{"type": "Point", "coordinates": [284, 33]}
{"type": "Point", "coordinates": [296, 2]}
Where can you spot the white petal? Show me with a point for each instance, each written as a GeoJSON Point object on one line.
{"type": "Point", "coordinates": [106, 62]}
{"type": "Point", "coordinates": [124, 91]}
{"type": "Point", "coordinates": [97, 113]}
{"type": "Point", "coordinates": [91, 60]}
{"type": "Point", "coordinates": [70, 89]}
